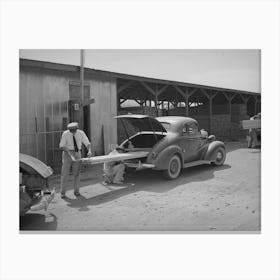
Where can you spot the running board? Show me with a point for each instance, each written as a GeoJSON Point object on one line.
{"type": "Point", "coordinates": [195, 163]}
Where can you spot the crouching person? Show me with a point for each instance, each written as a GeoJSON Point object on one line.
{"type": "Point", "coordinates": [113, 172]}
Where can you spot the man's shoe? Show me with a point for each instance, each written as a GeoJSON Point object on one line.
{"type": "Point", "coordinates": [62, 195]}
{"type": "Point", "coordinates": [77, 194]}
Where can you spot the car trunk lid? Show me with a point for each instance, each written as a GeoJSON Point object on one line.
{"type": "Point", "coordinates": [133, 124]}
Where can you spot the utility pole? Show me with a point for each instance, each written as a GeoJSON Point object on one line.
{"type": "Point", "coordinates": [82, 62]}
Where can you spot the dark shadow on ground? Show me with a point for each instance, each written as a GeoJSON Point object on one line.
{"type": "Point", "coordinates": [149, 181]}
{"type": "Point", "coordinates": [34, 221]}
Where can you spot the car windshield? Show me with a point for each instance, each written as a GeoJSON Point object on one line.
{"type": "Point", "coordinates": [166, 125]}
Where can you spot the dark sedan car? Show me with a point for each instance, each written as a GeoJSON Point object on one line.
{"type": "Point", "coordinates": [172, 143]}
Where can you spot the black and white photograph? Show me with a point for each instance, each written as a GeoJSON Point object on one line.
{"type": "Point", "coordinates": [140, 140]}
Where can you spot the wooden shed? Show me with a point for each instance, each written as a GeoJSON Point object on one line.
{"type": "Point", "coordinates": [50, 98]}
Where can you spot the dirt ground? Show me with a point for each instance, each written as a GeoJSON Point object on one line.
{"type": "Point", "coordinates": [203, 198]}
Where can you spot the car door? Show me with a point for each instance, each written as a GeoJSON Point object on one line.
{"type": "Point", "coordinates": [192, 142]}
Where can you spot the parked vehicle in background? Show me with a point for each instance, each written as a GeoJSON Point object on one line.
{"type": "Point", "coordinates": [172, 143]}
{"type": "Point", "coordinates": [35, 193]}
{"type": "Point", "coordinates": [254, 133]}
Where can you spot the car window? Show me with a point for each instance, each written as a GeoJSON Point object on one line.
{"type": "Point", "coordinates": [190, 129]}
{"type": "Point", "coordinates": [166, 125]}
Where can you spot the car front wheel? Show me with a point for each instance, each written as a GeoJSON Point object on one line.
{"type": "Point", "coordinates": [174, 168]}
{"type": "Point", "coordinates": [220, 156]}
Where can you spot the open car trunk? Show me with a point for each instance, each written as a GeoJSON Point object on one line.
{"type": "Point", "coordinates": [140, 131]}
{"type": "Point", "coordinates": [139, 134]}
{"type": "Point", "coordinates": [144, 140]}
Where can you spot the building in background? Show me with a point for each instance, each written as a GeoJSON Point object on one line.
{"type": "Point", "coordinates": [50, 98]}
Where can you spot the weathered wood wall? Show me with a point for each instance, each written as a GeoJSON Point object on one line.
{"type": "Point", "coordinates": [44, 96]}
{"type": "Point", "coordinates": [43, 106]}
{"type": "Point", "coordinates": [103, 111]}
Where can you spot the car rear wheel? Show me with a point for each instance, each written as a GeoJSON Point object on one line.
{"type": "Point", "coordinates": [220, 156]}
{"type": "Point", "coordinates": [174, 168]}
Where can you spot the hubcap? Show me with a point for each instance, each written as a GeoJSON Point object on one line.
{"type": "Point", "coordinates": [219, 156]}
{"type": "Point", "coordinates": [174, 166]}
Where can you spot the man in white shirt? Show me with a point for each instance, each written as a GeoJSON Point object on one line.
{"type": "Point", "coordinates": [71, 143]}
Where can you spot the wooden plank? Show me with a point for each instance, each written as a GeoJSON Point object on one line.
{"type": "Point", "coordinates": [250, 124]}
{"type": "Point", "coordinates": [114, 157]}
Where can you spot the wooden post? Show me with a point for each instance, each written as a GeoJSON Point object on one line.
{"type": "Point", "coordinates": [230, 109]}
{"type": "Point", "coordinates": [156, 100]}
{"type": "Point", "coordinates": [256, 106]}
{"type": "Point", "coordinates": [245, 100]}
{"type": "Point", "coordinates": [118, 101]}
{"type": "Point", "coordinates": [187, 102]}
{"type": "Point", "coordinates": [210, 97]}
{"type": "Point", "coordinates": [230, 97]}
{"type": "Point", "coordinates": [210, 113]}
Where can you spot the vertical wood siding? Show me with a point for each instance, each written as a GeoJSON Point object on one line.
{"type": "Point", "coordinates": [44, 97]}
{"type": "Point", "coordinates": [103, 111]}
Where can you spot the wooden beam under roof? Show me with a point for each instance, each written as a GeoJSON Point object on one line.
{"type": "Point", "coordinates": [148, 88]}
{"type": "Point", "coordinates": [180, 91]}
{"type": "Point", "coordinates": [125, 86]}
{"type": "Point", "coordinates": [210, 95]}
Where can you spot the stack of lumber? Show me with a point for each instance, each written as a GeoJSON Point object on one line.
{"type": "Point", "coordinates": [114, 157]}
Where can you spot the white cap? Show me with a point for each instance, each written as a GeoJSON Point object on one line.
{"type": "Point", "coordinates": [72, 125]}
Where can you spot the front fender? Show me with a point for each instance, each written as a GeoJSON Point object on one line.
{"type": "Point", "coordinates": [213, 146]}
{"type": "Point", "coordinates": [162, 159]}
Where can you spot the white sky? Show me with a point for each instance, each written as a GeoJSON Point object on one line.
{"type": "Point", "coordinates": [235, 69]}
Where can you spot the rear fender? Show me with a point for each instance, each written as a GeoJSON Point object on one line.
{"type": "Point", "coordinates": [161, 161]}
{"type": "Point", "coordinates": [213, 146]}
